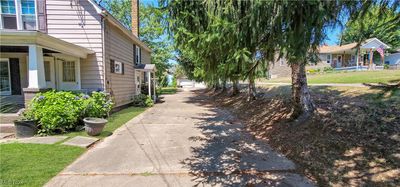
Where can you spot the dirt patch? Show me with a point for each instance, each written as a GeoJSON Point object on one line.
{"type": "Point", "coordinates": [353, 140]}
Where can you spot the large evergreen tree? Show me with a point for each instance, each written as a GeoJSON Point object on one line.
{"type": "Point", "coordinates": [233, 40]}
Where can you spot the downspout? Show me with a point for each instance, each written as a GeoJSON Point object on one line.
{"type": "Point", "coordinates": [103, 30]}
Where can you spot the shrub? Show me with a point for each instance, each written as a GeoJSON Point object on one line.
{"type": "Point", "coordinates": [61, 111]}
{"type": "Point", "coordinates": [386, 66]}
{"type": "Point", "coordinates": [142, 100]}
{"type": "Point", "coordinates": [149, 102]}
{"type": "Point", "coordinates": [98, 105]}
{"type": "Point", "coordinates": [328, 69]}
{"type": "Point", "coordinates": [54, 111]}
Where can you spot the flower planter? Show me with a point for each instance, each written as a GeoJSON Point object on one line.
{"type": "Point", "coordinates": [94, 126]}
{"type": "Point", "coordinates": [25, 128]}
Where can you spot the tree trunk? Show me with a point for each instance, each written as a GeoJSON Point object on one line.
{"type": "Point", "coordinates": [223, 86]}
{"type": "Point", "coordinates": [235, 87]}
{"type": "Point", "coordinates": [303, 105]}
{"type": "Point", "coordinates": [216, 86]}
{"type": "Point", "coordinates": [251, 88]}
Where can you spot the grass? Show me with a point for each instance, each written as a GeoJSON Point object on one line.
{"type": "Point", "coordinates": [115, 121]}
{"type": "Point", "coordinates": [347, 77]}
{"type": "Point", "coordinates": [167, 90]}
{"type": "Point", "coordinates": [33, 164]}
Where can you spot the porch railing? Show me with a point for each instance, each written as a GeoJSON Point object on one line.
{"type": "Point", "coordinates": [359, 68]}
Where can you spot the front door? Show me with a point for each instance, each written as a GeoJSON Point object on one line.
{"type": "Point", "coordinates": [49, 72]}
{"type": "Point", "coordinates": [339, 61]}
{"type": "Point", "coordinates": [68, 71]}
{"type": "Point", "coordinates": [5, 80]}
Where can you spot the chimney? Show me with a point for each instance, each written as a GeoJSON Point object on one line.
{"type": "Point", "coordinates": [135, 17]}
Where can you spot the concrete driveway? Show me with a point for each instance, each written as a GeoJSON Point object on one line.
{"type": "Point", "coordinates": [184, 141]}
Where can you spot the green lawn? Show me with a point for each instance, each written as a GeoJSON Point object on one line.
{"type": "Point", "coordinates": [114, 121]}
{"type": "Point", "coordinates": [167, 90]}
{"type": "Point", "coordinates": [347, 77]}
{"type": "Point", "coordinates": [33, 164]}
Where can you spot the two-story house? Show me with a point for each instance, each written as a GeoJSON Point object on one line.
{"type": "Point", "coordinates": [70, 45]}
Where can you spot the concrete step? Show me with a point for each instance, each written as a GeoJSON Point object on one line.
{"type": "Point", "coordinates": [7, 128]}
{"type": "Point", "coordinates": [6, 118]}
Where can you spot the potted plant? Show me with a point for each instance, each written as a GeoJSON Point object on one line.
{"type": "Point", "coordinates": [25, 127]}
{"type": "Point", "coordinates": [97, 108]}
{"type": "Point", "coordinates": [94, 126]}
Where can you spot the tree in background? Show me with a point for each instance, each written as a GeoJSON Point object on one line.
{"type": "Point", "coordinates": [379, 22]}
{"type": "Point", "coordinates": [152, 32]}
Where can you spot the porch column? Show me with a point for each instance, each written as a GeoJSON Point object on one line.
{"type": "Point", "coordinates": [358, 54]}
{"type": "Point", "coordinates": [149, 75]}
{"type": "Point", "coordinates": [154, 87]}
{"type": "Point", "coordinates": [37, 82]}
{"type": "Point", "coordinates": [370, 59]}
{"type": "Point", "coordinates": [36, 67]}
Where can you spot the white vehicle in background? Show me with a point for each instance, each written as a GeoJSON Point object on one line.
{"type": "Point", "coordinates": [185, 83]}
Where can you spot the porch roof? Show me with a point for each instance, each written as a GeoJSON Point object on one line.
{"type": "Point", "coordinates": [25, 38]}
{"type": "Point", "coordinates": [372, 43]}
{"type": "Point", "coordinates": [146, 67]}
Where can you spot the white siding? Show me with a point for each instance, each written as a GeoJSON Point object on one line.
{"type": "Point", "coordinates": [80, 24]}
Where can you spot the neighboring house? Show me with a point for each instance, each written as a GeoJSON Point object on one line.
{"type": "Point", "coordinates": [70, 45]}
{"type": "Point", "coordinates": [339, 57]}
{"type": "Point", "coordinates": [393, 60]}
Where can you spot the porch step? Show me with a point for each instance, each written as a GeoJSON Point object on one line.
{"type": "Point", "coordinates": [7, 128]}
{"type": "Point", "coordinates": [8, 118]}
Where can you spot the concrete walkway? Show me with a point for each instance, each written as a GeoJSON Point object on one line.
{"type": "Point", "coordinates": [309, 84]}
{"type": "Point", "coordinates": [184, 141]}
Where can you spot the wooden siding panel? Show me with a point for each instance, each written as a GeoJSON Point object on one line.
{"type": "Point", "coordinates": [80, 24]}
{"type": "Point", "coordinates": [120, 48]}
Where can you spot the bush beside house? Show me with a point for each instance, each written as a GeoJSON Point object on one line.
{"type": "Point", "coordinates": [62, 111]}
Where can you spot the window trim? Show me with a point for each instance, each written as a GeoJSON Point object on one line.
{"type": "Point", "coordinates": [18, 15]}
{"type": "Point", "coordinates": [329, 60]}
{"type": "Point", "coordinates": [138, 56]}
{"type": "Point", "coordinates": [117, 71]}
{"type": "Point", "coordinates": [64, 73]}
{"type": "Point", "coordinates": [47, 70]}
{"type": "Point", "coordinates": [9, 78]}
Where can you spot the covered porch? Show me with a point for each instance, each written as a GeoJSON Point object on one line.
{"type": "Point", "coordinates": [355, 56]}
{"type": "Point", "coordinates": [32, 62]}
{"type": "Point", "coordinates": [149, 79]}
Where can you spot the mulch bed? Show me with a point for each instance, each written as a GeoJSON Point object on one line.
{"type": "Point", "coordinates": [352, 140]}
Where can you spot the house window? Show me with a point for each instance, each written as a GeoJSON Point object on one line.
{"type": "Point", "coordinates": [47, 71]}
{"type": "Point", "coordinates": [8, 14]}
{"type": "Point", "coordinates": [69, 71]}
{"type": "Point", "coordinates": [25, 10]}
{"type": "Point", "coordinates": [328, 58]}
{"type": "Point", "coordinates": [118, 67]}
{"type": "Point", "coordinates": [28, 14]}
{"type": "Point", "coordinates": [138, 55]}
